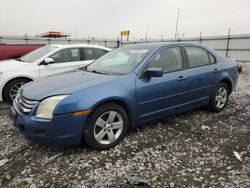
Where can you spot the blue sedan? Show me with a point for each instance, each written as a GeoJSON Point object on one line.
{"type": "Point", "coordinates": [125, 88]}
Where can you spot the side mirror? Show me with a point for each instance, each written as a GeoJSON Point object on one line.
{"type": "Point", "coordinates": [48, 60]}
{"type": "Point", "coordinates": [154, 72]}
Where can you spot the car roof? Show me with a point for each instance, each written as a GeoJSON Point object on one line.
{"type": "Point", "coordinates": [156, 45]}
{"type": "Point", "coordinates": [79, 46]}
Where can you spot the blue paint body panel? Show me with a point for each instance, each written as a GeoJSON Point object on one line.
{"type": "Point", "coordinates": [145, 99]}
{"type": "Point", "coordinates": [60, 131]}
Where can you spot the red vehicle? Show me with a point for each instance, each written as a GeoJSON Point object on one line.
{"type": "Point", "coordinates": [10, 51]}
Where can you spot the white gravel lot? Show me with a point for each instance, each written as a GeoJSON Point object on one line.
{"type": "Point", "coordinates": [194, 149]}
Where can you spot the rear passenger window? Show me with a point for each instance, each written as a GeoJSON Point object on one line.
{"type": "Point", "coordinates": [169, 60]}
{"type": "Point", "coordinates": [66, 55]}
{"type": "Point", "coordinates": [93, 53]}
{"type": "Point", "coordinates": [197, 56]}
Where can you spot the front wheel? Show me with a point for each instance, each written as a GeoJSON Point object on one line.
{"type": "Point", "coordinates": [106, 126]}
{"type": "Point", "coordinates": [219, 98]}
{"type": "Point", "coordinates": [12, 88]}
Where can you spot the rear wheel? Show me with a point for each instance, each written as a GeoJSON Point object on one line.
{"type": "Point", "coordinates": [219, 97]}
{"type": "Point", "coordinates": [12, 88]}
{"type": "Point", "coordinates": [106, 127]}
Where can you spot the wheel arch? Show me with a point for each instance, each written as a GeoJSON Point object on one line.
{"type": "Point", "coordinates": [229, 84]}
{"type": "Point", "coordinates": [120, 102]}
{"type": "Point", "coordinates": [10, 80]}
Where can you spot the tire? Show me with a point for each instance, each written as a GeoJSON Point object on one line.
{"type": "Point", "coordinates": [12, 87]}
{"type": "Point", "coordinates": [100, 131]}
{"type": "Point", "coordinates": [219, 97]}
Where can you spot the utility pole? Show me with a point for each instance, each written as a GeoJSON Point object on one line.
{"type": "Point", "coordinates": [146, 37]}
{"type": "Point", "coordinates": [177, 22]}
{"type": "Point", "coordinates": [200, 38]}
{"type": "Point", "coordinates": [76, 32]}
{"type": "Point", "coordinates": [228, 41]}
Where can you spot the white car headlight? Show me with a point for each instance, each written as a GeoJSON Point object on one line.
{"type": "Point", "coordinates": [47, 106]}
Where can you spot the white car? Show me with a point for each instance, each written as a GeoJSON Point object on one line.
{"type": "Point", "coordinates": [45, 61]}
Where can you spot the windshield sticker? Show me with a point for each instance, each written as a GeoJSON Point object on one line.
{"type": "Point", "coordinates": [138, 51]}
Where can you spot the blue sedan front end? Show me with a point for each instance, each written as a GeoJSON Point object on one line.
{"type": "Point", "coordinates": [63, 129]}
{"type": "Point", "coordinates": [65, 126]}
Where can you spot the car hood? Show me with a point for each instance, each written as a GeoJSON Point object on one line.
{"type": "Point", "coordinates": [11, 64]}
{"type": "Point", "coordinates": [61, 84]}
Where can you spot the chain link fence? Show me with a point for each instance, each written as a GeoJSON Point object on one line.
{"type": "Point", "coordinates": [234, 46]}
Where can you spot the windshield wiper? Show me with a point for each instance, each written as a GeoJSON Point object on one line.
{"type": "Point", "coordinates": [98, 72]}
{"type": "Point", "coordinates": [18, 59]}
{"type": "Point", "coordinates": [94, 71]}
{"type": "Point", "coordinates": [83, 68]}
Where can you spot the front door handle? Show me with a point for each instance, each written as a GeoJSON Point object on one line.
{"type": "Point", "coordinates": [216, 70]}
{"type": "Point", "coordinates": [180, 78]}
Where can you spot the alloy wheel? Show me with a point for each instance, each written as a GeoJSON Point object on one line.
{"type": "Point", "coordinates": [15, 88]}
{"type": "Point", "coordinates": [108, 127]}
{"type": "Point", "coordinates": [221, 97]}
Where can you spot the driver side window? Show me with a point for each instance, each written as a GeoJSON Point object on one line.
{"type": "Point", "coordinates": [168, 59]}
{"type": "Point", "coordinates": [66, 55]}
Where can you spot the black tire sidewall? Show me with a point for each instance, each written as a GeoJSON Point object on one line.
{"type": "Point", "coordinates": [88, 133]}
{"type": "Point", "coordinates": [212, 105]}
{"type": "Point", "coordinates": [6, 91]}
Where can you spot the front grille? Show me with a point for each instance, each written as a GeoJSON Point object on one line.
{"type": "Point", "coordinates": [24, 105]}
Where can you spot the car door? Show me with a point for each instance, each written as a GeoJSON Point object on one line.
{"type": "Point", "coordinates": [159, 96]}
{"type": "Point", "coordinates": [64, 60]}
{"type": "Point", "coordinates": [202, 72]}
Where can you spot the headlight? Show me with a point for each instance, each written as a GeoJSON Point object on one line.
{"type": "Point", "coordinates": [47, 106]}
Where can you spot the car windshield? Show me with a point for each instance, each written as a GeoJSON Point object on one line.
{"type": "Point", "coordinates": [120, 61]}
{"type": "Point", "coordinates": [36, 54]}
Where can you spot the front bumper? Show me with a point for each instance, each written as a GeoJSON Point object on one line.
{"type": "Point", "coordinates": [60, 131]}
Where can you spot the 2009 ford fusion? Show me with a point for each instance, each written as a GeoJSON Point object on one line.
{"type": "Point", "coordinates": [125, 88]}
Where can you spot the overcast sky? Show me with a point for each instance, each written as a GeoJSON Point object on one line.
{"type": "Point", "coordinates": [106, 18]}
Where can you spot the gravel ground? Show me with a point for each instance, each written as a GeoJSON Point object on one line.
{"type": "Point", "coordinates": [194, 149]}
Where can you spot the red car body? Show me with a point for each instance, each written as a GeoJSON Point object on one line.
{"type": "Point", "coordinates": [9, 51]}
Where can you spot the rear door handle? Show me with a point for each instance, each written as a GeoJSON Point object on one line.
{"type": "Point", "coordinates": [216, 70]}
{"type": "Point", "coordinates": [180, 78]}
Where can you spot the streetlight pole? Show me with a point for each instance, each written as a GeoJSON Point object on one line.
{"type": "Point", "coordinates": [177, 21]}
{"type": "Point", "coordinates": [146, 37]}
{"type": "Point", "coordinates": [76, 32]}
